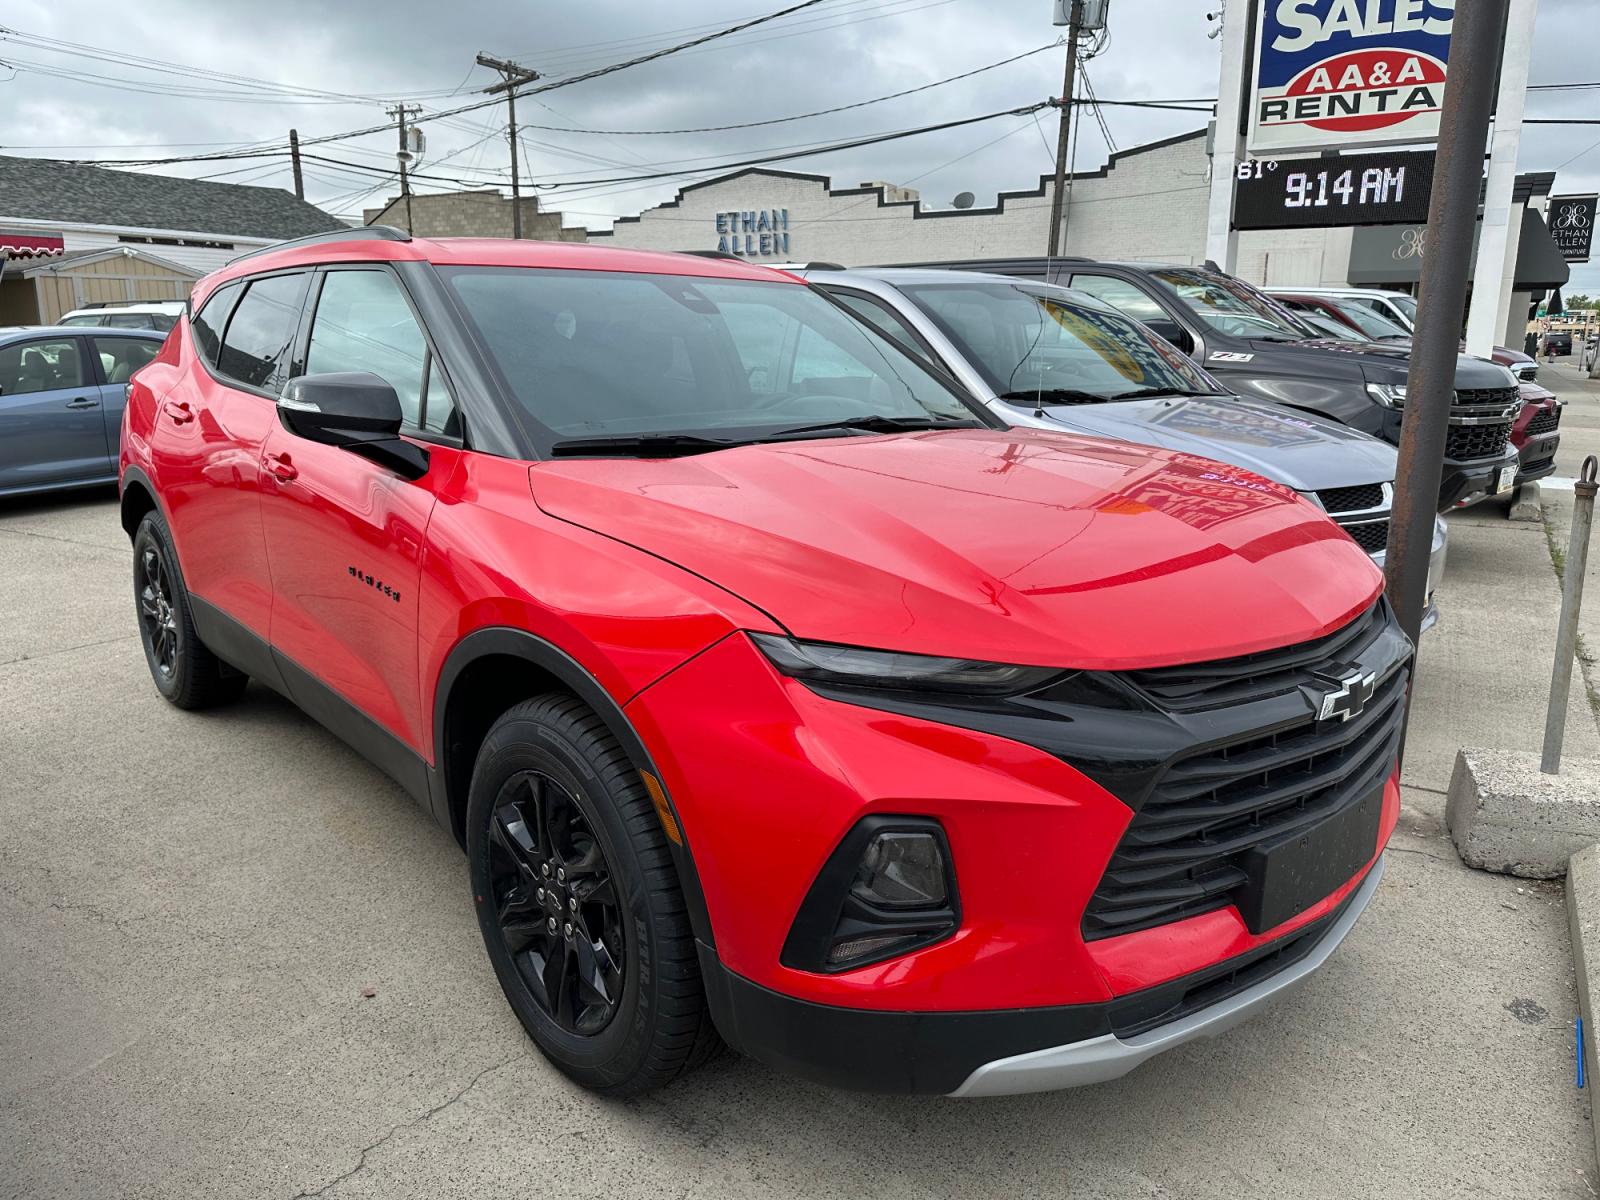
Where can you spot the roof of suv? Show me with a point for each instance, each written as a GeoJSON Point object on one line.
{"type": "Point", "coordinates": [1295, 290]}
{"type": "Point", "coordinates": [363, 245]}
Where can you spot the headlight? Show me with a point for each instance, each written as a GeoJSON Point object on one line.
{"type": "Point", "coordinates": [851, 666]}
{"type": "Point", "coordinates": [1390, 395]}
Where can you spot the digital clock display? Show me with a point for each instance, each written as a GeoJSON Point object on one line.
{"type": "Point", "coordinates": [1351, 189]}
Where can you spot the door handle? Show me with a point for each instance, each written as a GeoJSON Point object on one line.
{"type": "Point", "coordinates": [82, 402]}
{"type": "Point", "coordinates": [280, 467]}
{"type": "Point", "coordinates": [179, 411]}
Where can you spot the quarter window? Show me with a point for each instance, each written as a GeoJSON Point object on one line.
{"type": "Point", "coordinates": [255, 350]}
{"type": "Point", "coordinates": [208, 323]}
{"type": "Point", "coordinates": [40, 367]}
{"type": "Point", "coordinates": [363, 323]}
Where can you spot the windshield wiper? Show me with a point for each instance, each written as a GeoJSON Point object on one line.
{"type": "Point", "coordinates": [875, 424]}
{"type": "Point", "coordinates": [1053, 396]}
{"type": "Point", "coordinates": [1152, 393]}
{"type": "Point", "coordinates": [641, 445]}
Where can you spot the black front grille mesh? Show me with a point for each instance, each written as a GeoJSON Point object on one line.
{"type": "Point", "coordinates": [1545, 422]}
{"type": "Point", "coordinates": [1182, 853]}
{"type": "Point", "coordinates": [1477, 441]}
{"type": "Point", "coordinates": [1352, 499]}
{"type": "Point", "coordinates": [1371, 536]}
{"type": "Point", "coordinates": [1502, 397]}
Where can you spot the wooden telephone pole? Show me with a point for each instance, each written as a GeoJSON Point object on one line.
{"type": "Point", "coordinates": [1058, 200]}
{"type": "Point", "coordinates": [294, 162]}
{"type": "Point", "coordinates": [512, 77]}
{"type": "Point", "coordinates": [403, 156]}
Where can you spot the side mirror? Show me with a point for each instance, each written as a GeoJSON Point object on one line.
{"type": "Point", "coordinates": [355, 411]}
{"type": "Point", "coordinates": [1173, 332]}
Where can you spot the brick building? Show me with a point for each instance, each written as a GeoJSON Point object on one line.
{"type": "Point", "coordinates": [484, 213]}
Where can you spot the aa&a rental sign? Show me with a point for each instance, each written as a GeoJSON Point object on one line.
{"type": "Point", "coordinates": [1347, 73]}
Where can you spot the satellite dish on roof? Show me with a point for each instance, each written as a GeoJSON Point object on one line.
{"type": "Point", "coordinates": [964, 200]}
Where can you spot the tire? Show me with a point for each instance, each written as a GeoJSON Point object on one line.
{"type": "Point", "coordinates": [184, 670]}
{"type": "Point", "coordinates": [552, 788]}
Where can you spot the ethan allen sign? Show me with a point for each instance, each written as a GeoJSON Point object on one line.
{"type": "Point", "coordinates": [756, 233]}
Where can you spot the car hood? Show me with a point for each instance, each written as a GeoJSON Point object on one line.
{"type": "Point", "coordinates": [1303, 452]}
{"type": "Point", "coordinates": [1017, 546]}
{"type": "Point", "coordinates": [1376, 362]}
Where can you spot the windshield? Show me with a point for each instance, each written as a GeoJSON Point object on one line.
{"type": "Point", "coordinates": [1233, 307]}
{"type": "Point", "coordinates": [1373, 325]}
{"type": "Point", "coordinates": [610, 355]}
{"type": "Point", "coordinates": [1033, 342]}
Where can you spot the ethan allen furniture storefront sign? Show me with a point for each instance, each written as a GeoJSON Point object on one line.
{"type": "Point", "coordinates": [756, 233]}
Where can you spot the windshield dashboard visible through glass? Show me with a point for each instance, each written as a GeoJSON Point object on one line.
{"type": "Point", "coordinates": [1032, 342]}
{"type": "Point", "coordinates": [591, 357]}
{"type": "Point", "coordinates": [1233, 307]}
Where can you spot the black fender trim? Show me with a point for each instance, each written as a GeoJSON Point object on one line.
{"type": "Point", "coordinates": [137, 475]}
{"type": "Point", "coordinates": [519, 643]}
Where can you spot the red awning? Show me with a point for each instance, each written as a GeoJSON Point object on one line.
{"type": "Point", "coordinates": [31, 245]}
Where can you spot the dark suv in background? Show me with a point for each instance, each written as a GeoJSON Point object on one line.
{"type": "Point", "coordinates": [1258, 349]}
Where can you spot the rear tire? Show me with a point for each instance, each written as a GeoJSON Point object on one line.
{"type": "Point", "coordinates": [579, 903]}
{"type": "Point", "coordinates": [184, 670]}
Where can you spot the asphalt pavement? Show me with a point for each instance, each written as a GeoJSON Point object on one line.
{"type": "Point", "coordinates": [191, 907]}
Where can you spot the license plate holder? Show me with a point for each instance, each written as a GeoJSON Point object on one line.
{"type": "Point", "coordinates": [1290, 874]}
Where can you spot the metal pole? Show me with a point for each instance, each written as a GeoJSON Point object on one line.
{"type": "Point", "coordinates": [1492, 275]}
{"type": "Point", "coordinates": [294, 162]}
{"type": "Point", "coordinates": [1430, 387]}
{"type": "Point", "coordinates": [1058, 198]}
{"type": "Point", "coordinates": [1227, 145]}
{"type": "Point", "coordinates": [1555, 717]}
{"type": "Point", "coordinates": [516, 182]}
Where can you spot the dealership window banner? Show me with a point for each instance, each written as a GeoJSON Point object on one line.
{"type": "Point", "coordinates": [1339, 74]}
{"type": "Point", "coordinates": [1571, 223]}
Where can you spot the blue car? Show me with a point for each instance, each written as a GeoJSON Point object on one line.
{"type": "Point", "coordinates": [62, 391]}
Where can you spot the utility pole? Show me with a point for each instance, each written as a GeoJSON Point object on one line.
{"type": "Point", "coordinates": [294, 161]}
{"type": "Point", "coordinates": [512, 77]}
{"type": "Point", "coordinates": [403, 155]}
{"type": "Point", "coordinates": [1227, 142]}
{"type": "Point", "coordinates": [1430, 385]}
{"type": "Point", "coordinates": [1058, 205]}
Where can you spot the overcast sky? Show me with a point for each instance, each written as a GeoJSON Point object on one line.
{"type": "Point", "coordinates": [837, 52]}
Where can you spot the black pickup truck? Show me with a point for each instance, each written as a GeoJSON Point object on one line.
{"type": "Point", "coordinates": [1259, 349]}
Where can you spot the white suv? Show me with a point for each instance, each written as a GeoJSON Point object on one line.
{"type": "Point", "coordinates": [159, 315]}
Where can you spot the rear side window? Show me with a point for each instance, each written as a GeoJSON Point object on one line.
{"type": "Point", "coordinates": [162, 322]}
{"type": "Point", "coordinates": [129, 321]}
{"type": "Point", "coordinates": [255, 349]}
{"type": "Point", "coordinates": [86, 319]}
{"type": "Point", "coordinates": [212, 318]}
{"type": "Point", "coordinates": [120, 357]}
{"type": "Point", "coordinates": [41, 366]}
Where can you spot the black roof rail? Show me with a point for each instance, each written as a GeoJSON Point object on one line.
{"type": "Point", "coordinates": [712, 254]}
{"type": "Point", "coordinates": [356, 233]}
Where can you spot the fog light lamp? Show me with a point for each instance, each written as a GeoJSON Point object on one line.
{"type": "Point", "coordinates": [901, 871]}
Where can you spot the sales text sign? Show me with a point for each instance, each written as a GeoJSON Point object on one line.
{"type": "Point", "coordinates": [1347, 73]}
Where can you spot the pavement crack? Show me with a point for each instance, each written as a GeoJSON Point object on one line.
{"type": "Point", "coordinates": [121, 637]}
{"type": "Point", "coordinates": [51, 537]}
{"type": "Point", "coordinates": [1419, 853]}
{"type": "Point", "coordinates": [361, 1162]}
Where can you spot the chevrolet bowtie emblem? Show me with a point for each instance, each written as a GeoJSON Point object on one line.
{"type": "Point", "coordinates": [1349, 697]}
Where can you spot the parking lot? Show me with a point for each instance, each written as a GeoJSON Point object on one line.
{"type": "Point", "coordinates": [192, 906]}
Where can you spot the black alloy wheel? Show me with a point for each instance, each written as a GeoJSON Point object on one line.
{"type": "Point", "coordinates": [158, 620]}
{"type": "Point", "coordinates": [182, 666]}
{"type": "Point", "coordinates": [555, 904]}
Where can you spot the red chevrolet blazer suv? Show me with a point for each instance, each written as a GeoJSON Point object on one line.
{"type": "Point", "coordinates": [777, 694]}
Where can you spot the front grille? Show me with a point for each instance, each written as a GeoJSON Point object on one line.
{"type": "Point", "coordinates": [1195, 687]}
{"type": "Point", "coordinates": [1477, 441]}
{"type": "Point", "coordinates": [1184, 851]}
{"type": "Point", "coordinates": [1352, 499]}
{"type": "Point", "coordinates": [1545, 422]}
{"type": "Point", "coordinates": [1371, 536]}
{"type": "Point", "coordinates": [1487, 397]}
{"type": "Point", "coordinates": [1527, 372]}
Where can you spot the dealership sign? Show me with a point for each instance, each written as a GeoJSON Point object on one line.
{"type": "Point", "coordinates": [1345, 73]}
{"type": "Point", "coordinates": [1572, 225]}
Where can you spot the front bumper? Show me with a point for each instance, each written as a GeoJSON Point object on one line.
{"type": "Point", "coordinates": [1474, 480]}
{"type": "Point", "coordinates": [1010, 1051]}
{"type": "Point", "coordinates": [1436, 560]}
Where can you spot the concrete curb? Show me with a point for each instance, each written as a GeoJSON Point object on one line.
{"type": "Point", "coordinates": [1527, 504]}
{"type": "Point", "coordinates": [1507, 816]}
{"type": "Point", "coordinates": [1583, 912]}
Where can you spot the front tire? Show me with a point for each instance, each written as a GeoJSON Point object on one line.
{"type": "Point", "coordinates": [579, 903]}
{"type": "Point", "coordinates": [184, 670]}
